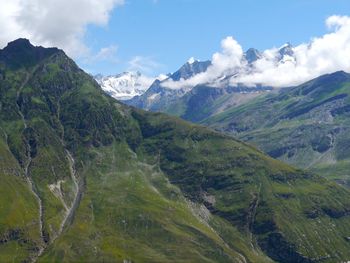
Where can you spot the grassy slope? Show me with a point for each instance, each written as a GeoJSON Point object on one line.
{"type": "Point", "coordinates": [288, 201]}
{"type": "Point", "coordinates": [154, 188]}
{"type": "Point", "coordinates": [19, 211]}
{"type": "Point", "coordinates": [204, 101]}
{"type": "Point", "coordinates": [131, 212]}
{"type": "Point", "coordinates": [304, 126]}
{"type": "Point", "coordinates": [79, 117]}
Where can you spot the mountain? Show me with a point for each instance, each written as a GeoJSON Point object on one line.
{"type": "Point", "coordinates": [190, 69]}
{"type": "Point", "coordinates": [205, 101]}
{"type": "Point", "coordinates": [252, 55]}
{"type": "Point", "coordinates": [307, 126]}
{"type": "Point", "coordinates": [124, 86]}
{"type": "Point", "coordinates": [159, 96]}
{"type": "Point", "coordinates": [85, 178]}
{"type": "Point", "coordinates": [286, 50]}
{"type": "Point", "coordinates": [209, 98]}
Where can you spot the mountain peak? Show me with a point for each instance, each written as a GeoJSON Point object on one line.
{"type": "Point", "coordinates": [286, 45]}
{"type": "Point", "coordinates": [286, 49]}
{"type": "Point", "coordinates": [189, 69]}
{"type": "Point", "coordinates": [19, 43]}
{"type": "Point", "coordinates": [338, 76]}
{"type": "Point", "coordinates": [252, 55]}
{"type": "Point", "coordinates": [340, 73]}
{"type": "Point", "coordinates": [125, 85]}
{"type": "Point", "coordinates": [21, 53]}
{"type": "Point", "coordinates": [192, 60]}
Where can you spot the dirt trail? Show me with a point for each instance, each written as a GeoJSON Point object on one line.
{"type": "Point", "coordinates": [68, 219]}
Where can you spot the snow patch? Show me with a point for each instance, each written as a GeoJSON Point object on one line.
{"type": "Point", "coordinates": [191, 60]}
{"type": "Point", "coordinates": [126, 85]}
{"type": "Point", "coordinates": [153, 97]}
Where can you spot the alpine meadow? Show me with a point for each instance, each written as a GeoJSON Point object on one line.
{"type": "Point", "coordinates": [108, 153]}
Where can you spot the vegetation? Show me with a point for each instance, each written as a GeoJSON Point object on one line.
{"type": "Point", "coordinates": [87, 179]}
{"type": "Point", "coordinates": [203, 101]}
{"type": "Point", "coordinates": [307, 126]}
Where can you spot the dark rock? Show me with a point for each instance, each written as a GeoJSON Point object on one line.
{"type": "Point", "coordinates": [280, 250]}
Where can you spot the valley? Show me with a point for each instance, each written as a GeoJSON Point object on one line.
{"type": "Point", "coordinates": [306, 126]}
{"type": "Point", "coordinates": [142, 186]}
{"type": "Point", "coordinates": [180, 131]}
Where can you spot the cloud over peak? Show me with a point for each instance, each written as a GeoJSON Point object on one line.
{"type": "Point", "coordinates": [279, 67]}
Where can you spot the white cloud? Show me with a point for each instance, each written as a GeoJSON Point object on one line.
{"type": "Point", "coordinates": [321, 55]}
{"type": "Point", "coordinates": [143, 64]}
{"type": "Point", "coordinates": [105, 54]}
{"type": "Point", "coordinates": [162, 77]}
{"type": "Point", "coordinates": [224, 62]}
{"type": "Point", "coordinates": [53, 23]}
{"type": "Point", "coordinates": [191, 60]}
{"type": "Point", "coordinates": [146, 81]}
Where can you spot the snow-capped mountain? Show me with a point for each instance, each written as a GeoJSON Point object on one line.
{"type": "Point", "coordinates": [145, 92]}
{"type": "Point", "coordinates": [126, 85]}
{"type": "Point", "coordinates": [163, 93]}
{"type": "Point", "coordinates": [158, 96]}
{"type": "Point", "coordinates": [286, 50]}
{"type": "Point", "coordinates": [191, 68]}
{"type": "Point", "coordinates": [252, 55]}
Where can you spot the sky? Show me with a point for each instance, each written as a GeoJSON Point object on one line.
{"type": "Point", "coordinates": [166, 33]}
{"type": "Point", "coordinates": [158, 36]}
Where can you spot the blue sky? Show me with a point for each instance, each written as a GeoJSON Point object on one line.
{"type": "Point", "coordinates": [165, 33]}
{"type": "Point", "coordinates": [158, 36]}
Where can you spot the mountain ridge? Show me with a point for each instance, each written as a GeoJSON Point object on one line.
{"type": "Point", "coordinates": [174, 92]}
{"type": "Point", "coordinates": [154, 187]}
{"type": "Point", "coordinates": [125, 85]}
{"type": "Point", "coordinates": [318, 109]}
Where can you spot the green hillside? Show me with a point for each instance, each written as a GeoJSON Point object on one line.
{"type": "Point", "coordinates": [203, 101]}
{"type": "Point", "coordinates": [87, 179]}
{"type": "Point", "coordinates": [307, 126]}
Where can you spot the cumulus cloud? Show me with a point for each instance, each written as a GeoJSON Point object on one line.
{"type": "Point", "coordinates": [225, 62]}
{"type": "Point", "coordinates": [53, 23]}
{"type": "Point", "coordinates": [146, 81]}
{"type": "Point", "coordinates": [325, 54]}
{"type": "Point", "coordinates": [322, 55]}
